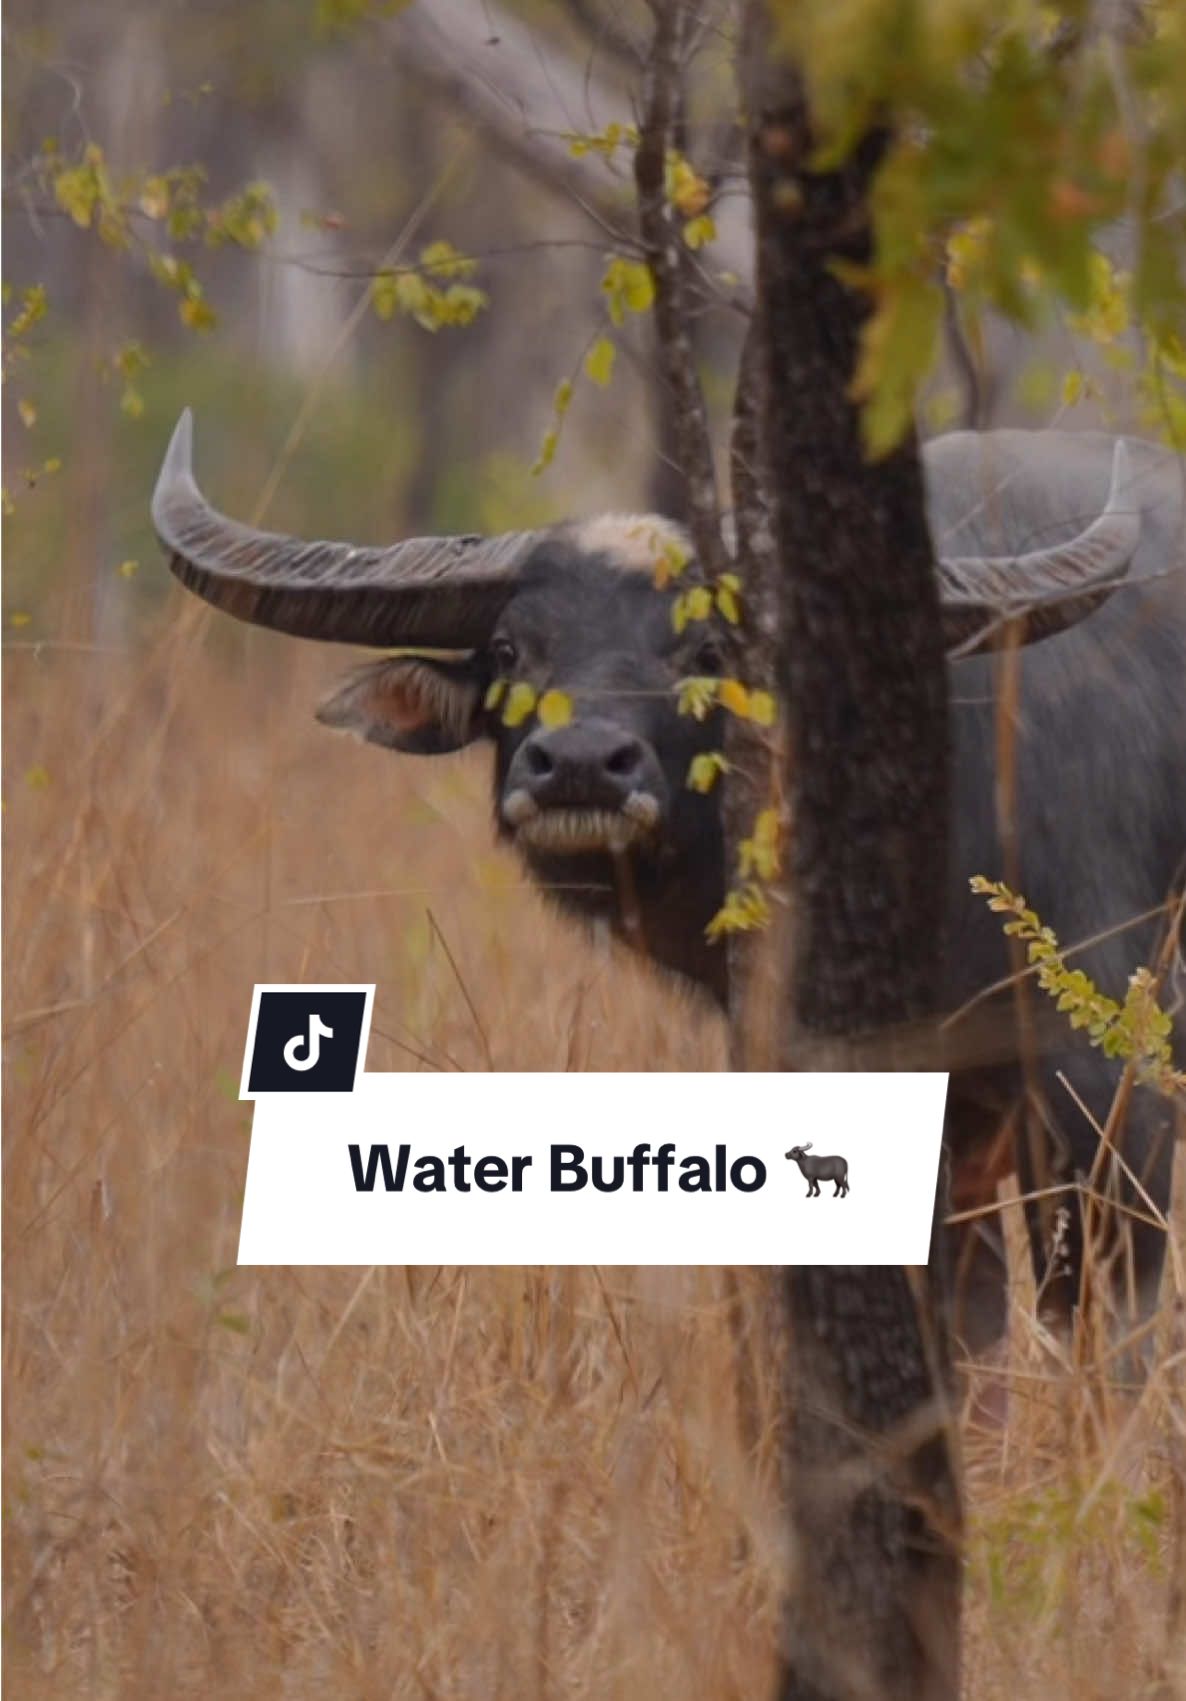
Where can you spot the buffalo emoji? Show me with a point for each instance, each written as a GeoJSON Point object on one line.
{"type": "Point", "coordinates": [816, 1170]}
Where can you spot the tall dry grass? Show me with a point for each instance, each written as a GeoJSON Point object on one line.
{"type": "Point", "coordinates": [422, 1483]}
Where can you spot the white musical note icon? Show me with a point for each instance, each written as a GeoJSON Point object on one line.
{"type": "Point", "coordinates": [312, 1039]}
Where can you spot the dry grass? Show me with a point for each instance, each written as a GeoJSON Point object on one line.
{"type": "Point", "coordinates": [430, 1484]}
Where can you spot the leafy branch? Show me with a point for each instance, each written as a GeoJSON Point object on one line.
{"type": "Point", "coordinates": [169, 203]}
{"type": "Point", "coordinates": [1137, 1030]}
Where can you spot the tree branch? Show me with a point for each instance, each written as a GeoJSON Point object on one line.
{"type": "Point", "coordinates": [492, 69]}
{"type": "Point", "coordinates": [662, 247]}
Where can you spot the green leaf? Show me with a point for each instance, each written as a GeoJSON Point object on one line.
{"type": "Point", "coordinates": [704, 769]}
{"type": "Point", "coordinates": [695, 604]}
{"type": "Point", "coordinates": [696, 696]}
{"type": "Point", "coordinates": [726, 598]}
{"type": "Point", "coordinates": [547, 452]}
{"type": "Point", "coordinates": [897, 349]}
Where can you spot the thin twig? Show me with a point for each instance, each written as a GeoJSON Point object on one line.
{"type": "Point", "coordinates": [457, 975]}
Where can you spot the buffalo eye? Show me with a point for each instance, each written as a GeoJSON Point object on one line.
{"type": "Point", "coordinates": [503, 654]}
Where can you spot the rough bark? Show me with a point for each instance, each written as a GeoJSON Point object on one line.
{"type": "Point", "coordinates": [871, 1477]}
{"type": "Point", "coordinates": [664, 254]}
{"type": "Point", "coordinates": [759, 962]}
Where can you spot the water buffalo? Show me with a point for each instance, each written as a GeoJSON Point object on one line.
{"type": "Point", "coordinates": [600, 807]}
{"type": "Point", "coordinates": [820, 1168]}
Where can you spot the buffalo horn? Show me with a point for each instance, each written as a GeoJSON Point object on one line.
{"type": "Point", "coordinates": [1046, 590]}
{"type": "Point", "coordinates": [435, 592]}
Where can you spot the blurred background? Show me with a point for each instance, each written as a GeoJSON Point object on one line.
{"type": "Point", "coordinates": [394, 1482]}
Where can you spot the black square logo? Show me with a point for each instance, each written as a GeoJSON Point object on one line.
{"type": "Point", "coordinates": [306, 1039]}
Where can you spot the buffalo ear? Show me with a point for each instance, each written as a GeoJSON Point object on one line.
{"type": "Point", "coordinates": [423, 705]}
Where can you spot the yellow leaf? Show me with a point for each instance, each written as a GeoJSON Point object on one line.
{"type": "Point", "coordinates": [670, 562]}
{"type": "Point", "coordinates": [554, 709]}
{"type": "Point", "coordinates": [27, 412]}
{"type": "Point", "coordinates": [699, 601]}
{"type": "Point", "coordinates": [20, 618]}
{"type": "Point", "coordinates": [495, 694]}
{"type": "Point", "coordinates": [443, 261]}
{"type": "Point", "coordinates": [197, 314]}
{"type": "Point", "coordinates": [519, 704]}
{"type": "Point", "coordinates": [742, 912]}
{"type": "Point", "coordinates": [599, 362]}
{"type": "Point", "coordinates": [732, 695]}
{"type": "Point", "coordinates": [638, 289]}
{"type": "Point", "coordinates": [547, 452]}
{"type": "Point", "coordinates": [727, 602]}
{"type": "Point", "coordinates": [763, 710]}
{"type": "Point", "coordinates": [384, 294]}
{"type": "Point", "coordinates": [700, 230]}
{"type": "Point", "coordinates": [37, 778]}
{"type": "Point", "coordinates": [702, 774]}
{"type": "Point", "coordinates": [686, 189]}
{"type": "Point", "coordinates": [127, 569]}
{"type": "Point", "coordinates": [759, 854]}
{"type": "Point", "coordinates": [627, 284]}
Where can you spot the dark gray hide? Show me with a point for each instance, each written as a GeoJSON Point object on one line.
{"type": "Point", "coordinates": [602, 813]}
{"type": "Point", "coordinates": [1100, 805]}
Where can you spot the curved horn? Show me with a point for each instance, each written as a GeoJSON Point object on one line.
{"type": "Point", "coordinates": [438, 592]}
{"type": "Point", "coordinates": [1048, 589]}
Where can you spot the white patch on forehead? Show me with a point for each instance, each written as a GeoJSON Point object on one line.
{"type": "Point", "coordinates": [637, 543]}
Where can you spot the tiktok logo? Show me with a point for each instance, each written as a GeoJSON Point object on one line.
{"type": "Point", "coordinates": [306, 1039]}
{"type": "Point", "coordinates": [312, 1040]}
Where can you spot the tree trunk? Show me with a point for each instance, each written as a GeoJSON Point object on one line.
{"type": "Point", "coordinates": [871, 1472]}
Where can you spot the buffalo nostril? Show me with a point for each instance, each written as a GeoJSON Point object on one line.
{"type": "Point", "coordinates": [539, 763]}
{"type": "Point", "coordinates": [624, 760]}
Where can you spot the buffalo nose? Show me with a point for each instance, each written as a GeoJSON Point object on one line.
{"type": "Point", "coordinates": [582, 765]}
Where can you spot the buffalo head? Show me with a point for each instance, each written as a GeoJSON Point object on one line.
{"type": "Point", "coordinates": [601, 800]}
